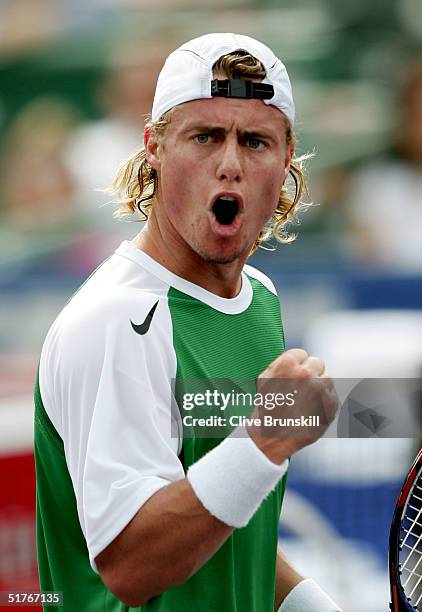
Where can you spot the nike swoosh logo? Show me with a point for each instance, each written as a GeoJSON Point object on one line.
{"type": "Point", "coordinates": [142, 328]}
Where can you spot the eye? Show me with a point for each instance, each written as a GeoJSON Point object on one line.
{"type": "Point", "coordinates": [202, 138]}
{"type": "Point", "coordinates": [255, 143]}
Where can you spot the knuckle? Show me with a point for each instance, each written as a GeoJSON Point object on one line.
{"type": "Point", "coordinates": [304, 372]}
{"type": "Point", "coordinates": [297, 353]}
{"type": "Point", "coordinates": [316, 364]}
{"type": "Point", "coordinates": [287, 360]}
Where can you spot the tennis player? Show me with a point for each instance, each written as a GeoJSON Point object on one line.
{"type": "Point", "coordinates": [133, 511]}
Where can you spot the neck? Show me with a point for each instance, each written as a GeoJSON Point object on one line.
{"type": "Point", "coordinates": [171, 251]}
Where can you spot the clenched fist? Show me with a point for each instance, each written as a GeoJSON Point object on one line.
{"type": "Point", "coordinates": [297, 404]}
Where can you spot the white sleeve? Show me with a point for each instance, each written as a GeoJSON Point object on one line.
{"type": "Point", "coordinates": [112, 403]}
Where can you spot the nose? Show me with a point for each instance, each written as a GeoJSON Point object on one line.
{"type": "Point", "coordinates": [229, 166]}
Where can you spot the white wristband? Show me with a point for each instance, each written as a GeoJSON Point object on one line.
{"type": "Point", "coordinates": [308, 595]}
{"type": "Point", "coordinates": [234, 478]}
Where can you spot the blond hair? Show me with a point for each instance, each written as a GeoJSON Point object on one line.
{"type": "Point", "coordinates": [138, 181]}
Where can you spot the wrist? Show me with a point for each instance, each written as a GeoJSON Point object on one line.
{"type": "Point", "coordinates": [275, 449]}
{"type": "Point", "coordinates": [234, 478]}
{"type": "Point", "coordinates": [308, 595]}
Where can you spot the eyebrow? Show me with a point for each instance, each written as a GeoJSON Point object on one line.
{"type": "Point", "coordinates": [219, 129]}
{"type": "Point", "coordinates": [206, 127]}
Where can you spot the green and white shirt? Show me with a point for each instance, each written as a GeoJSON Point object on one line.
{"type": "Point", "coordinates": [105, 419]}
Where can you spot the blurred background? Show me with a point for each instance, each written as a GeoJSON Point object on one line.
{"type": "Point", "coordinates": [76, 80]}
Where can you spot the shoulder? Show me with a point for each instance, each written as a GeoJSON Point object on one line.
{"type": "Point", "coordinates": [118, 292]}
{"type": "Point", "coordinates": [107, 311]}
{"type": "Point", "coordinates": [256, 274]}
{"type": "Point", "coordinates": [121, 326]}
{"type": "Point", "coordinates": [112, 341]}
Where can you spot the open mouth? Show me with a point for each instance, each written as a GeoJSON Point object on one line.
{"type": "Point", "coordinates": [225, 209]}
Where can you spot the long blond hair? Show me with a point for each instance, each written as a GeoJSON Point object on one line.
{"type": "Point", "coordinates": [137, 181]}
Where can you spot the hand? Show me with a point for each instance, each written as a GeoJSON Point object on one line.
{"type": "Point", "coordinates": [295, 387]}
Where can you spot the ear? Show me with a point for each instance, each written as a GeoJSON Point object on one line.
{"type": "Point", "coordinates": [288, 160]}
{"type": "Point", "coordinates": [152, 148]}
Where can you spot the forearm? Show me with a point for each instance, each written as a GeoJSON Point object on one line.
{"type": "Point", "coordinates": [294, 592]}
{"type": "Point", "coordinates": [167, 541]}
{"type": "Point", "coordinates": [286, 579]}
{"type": "Point", "coordinates": [180, 527]}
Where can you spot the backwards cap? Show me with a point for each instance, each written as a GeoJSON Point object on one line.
{"type": "Point", "coordinates": [187, 74]}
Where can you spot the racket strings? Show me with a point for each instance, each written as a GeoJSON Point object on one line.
{"type": "Point", "coordinates": [411, 545]}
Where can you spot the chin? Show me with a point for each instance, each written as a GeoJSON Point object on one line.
{"type": "Point", "coordinates": [220, 256]}
{"type": "Point", "coordinates": [221, 259]}
{"type": "Point", "coordinates": [221, 251]}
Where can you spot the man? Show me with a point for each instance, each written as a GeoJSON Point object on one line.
{"type": "Point", "coordinates": [128, 510]}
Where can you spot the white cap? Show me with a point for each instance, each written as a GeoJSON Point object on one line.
{"type": "Point", "coordinates": [187, 72]}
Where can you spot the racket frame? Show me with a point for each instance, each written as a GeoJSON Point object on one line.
{"type": "Point", "coordinates": [400, 602]}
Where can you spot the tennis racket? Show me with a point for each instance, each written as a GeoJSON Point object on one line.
{"type": "Point", "coordinates": [405, 547]}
